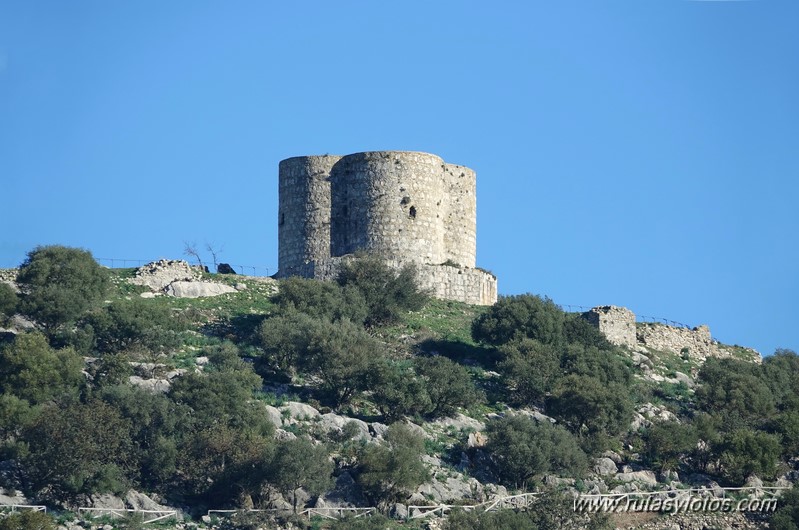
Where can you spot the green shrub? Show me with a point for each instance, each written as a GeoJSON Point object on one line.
{"type": "Point", "coordinates": [522, 449]}
{"type": "Point", "coordinates": [399, 391]}
{"type": "Point", "coordinates": [518, 317]}
{"type": "Point", "coordinates": [745, 452]}
{"type": "Point", "coordinates": [530, 369]}
{"type": "Point", "coordinates": [667, 442]}
{"type": "Point", "coordinates": [321, 299]}
{"type": "Point", "coordinates": [387, 473]}
{"type": "Point", "coordinates": [590, 409]}
{"type": "Point", "coordinates": [133, 325]}
{"type": "Point", "coordinates": [79, 448]}
{"type": "Point", "coordinates": [298, 464]}
{"type": "Point", "coordinates": [388, 294]}
{"type": "Point", "coordinates": [32, 370]}
{"type": "Point", "coordinates": [787, 515]}
{"type": "Point", "coordinates": [8, 300]}
{"type": "Point", "coordinates": [448, 385]}
{"type": "Point", "coordinates": [28, 520]}
{"type": "Point", "coordinates": [59, 284]}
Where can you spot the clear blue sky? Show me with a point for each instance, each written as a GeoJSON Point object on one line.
{"type": "Point", "coordinates": [628, 152]}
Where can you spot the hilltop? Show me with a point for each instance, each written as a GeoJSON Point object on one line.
{"type": "Point", "coordinates": [223, 391]}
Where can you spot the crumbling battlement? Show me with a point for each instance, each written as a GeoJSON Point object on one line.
{"type": "Point", "coordinates": [620, 328]}
{"type": "Point", "coordinates": [404, 207]}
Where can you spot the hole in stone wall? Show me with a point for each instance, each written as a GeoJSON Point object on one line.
{"type": "Point", "coordinates": [282, 219]}
{"type": "Point", "coordinates": [405, 200]}
{"type": "Point", "coordinates": [412, 212]}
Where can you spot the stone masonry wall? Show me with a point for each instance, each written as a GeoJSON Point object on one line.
{"type": "Point", "coordinates": [304, 210]}
{"type": "Point", "coordinates": [405, 207]}
{"type": "Point", "coordinates": [696, 341]}
{"type": "Point", "coordinates": [472, 286]}
{"type": "Point", "coordinates": [616, 323]}
{"type": "Point", "coordinates": [619, 327]}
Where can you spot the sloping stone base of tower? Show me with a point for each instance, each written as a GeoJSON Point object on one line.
{"type": "Point", "coordinates": [461, 284]}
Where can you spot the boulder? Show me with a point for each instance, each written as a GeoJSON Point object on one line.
{"type": "Point", "coordinates": [461, 422]}
{"type": "Point", "coordinates": [450, 489]}
{"type": "Point", "coordinates": [185, 289]}
{"type": "Point", "coordinates": [399, 511]}
{"type": "Point", "coordinates": [644, 477]}
{"type": "Point", "coordinates": [334, 422]}
{"type": "Point", "coordinates": [274, 416]}
{"type": "Point", "coordinates": [140, 501]}
{"type": "Point", "coordinates": [684, 378]}
{"type": "Point", "coordinates": [224, 268]}
{"type": "Point", "coordinates": [299, 411]}
{"type": "Point", "coordinates": [378, 430]}
{"type": "Point", "coordinates": [107, 501]}
{"type": "Point", "coordinates": [605, 466]}
{"type": "Point", "coordinates": [477, 439]}
{"type": "Point", "coordinates": [151, 385]}
{"type": "Point", "coordinates": [9, 497]}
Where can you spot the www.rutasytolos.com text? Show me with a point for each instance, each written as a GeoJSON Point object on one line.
{"type": "Point", "coordinates": [626, 503]}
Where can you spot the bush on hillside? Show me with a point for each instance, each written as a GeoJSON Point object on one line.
{"type": "Point", "coordinates": [522, 449]}
{"type": "Point", "coordinates": [388, 472]}
{"type": "Point", "coordinates": [8, 301]}
{"type": "Point", "coordinates": [320, 299]}
{"type": "Point", "coordinates": [30, 369]}
{"type": "Point", "coordinates": [388, 294]}
{"type": "Point", "coordinates": [59, 284]}
{"type": "Point", "coordinates": [518, 317]}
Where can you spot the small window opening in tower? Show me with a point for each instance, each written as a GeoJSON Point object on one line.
{"type": "Point", "coordinates": [282, 219]}
{"type": "Point", "coordinates": [412, 212]}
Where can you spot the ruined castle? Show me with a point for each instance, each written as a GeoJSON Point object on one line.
{"type": "Point", "coordinates": [404, 207]}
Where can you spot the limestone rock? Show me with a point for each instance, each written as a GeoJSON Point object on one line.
{"type": "Point", "coordinates": [157, 275]}
{"type": "Point", "coordinates": [299, 411]}
{"type": "Point", "coordinates": [106, 500]}
{"type": "Point", "coordinates": [378, 430]}
{"type": "Point", "coordinates": [7, 499]}
{"type": "Point", "coordinates": [477, 439]}
{"type": "Point", "coordinates": [194, 289]}
{"type": "Point", "coordinates": [684, 378]}
{"type": "Point", "coordinates": [645, 477]}
{"type": "Point", "coordinates": [140, 501]}
{"type": "Point", "coordinates": [461, 422]}
{"type": "Point", "coordinates": [334, 422]}
{"type": "Point", "coordinates": [152, 385]}
{"type": "Point", "coordinates": [450, 489]}
{"type": "Point", "coordinates": [274, 416]}
{"type": "Point", "coordinates": [605, 466]}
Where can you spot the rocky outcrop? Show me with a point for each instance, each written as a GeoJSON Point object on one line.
{"type": "Point", "coordinates": [183, 289]}
{"type": "Point", "coordinates": [176, 278]}
{"type": "Point", "coordinates": [157, 275]}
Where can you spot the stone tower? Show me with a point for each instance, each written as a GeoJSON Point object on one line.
{"type": "Point", "coordinates": [405, 207]}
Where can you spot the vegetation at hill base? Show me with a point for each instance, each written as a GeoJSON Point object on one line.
{"type": "Point", "coordinates": [204, 403]}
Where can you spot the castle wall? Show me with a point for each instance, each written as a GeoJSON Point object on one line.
{"type": "Point", "coordinates": [616, 323]}
{"type": "Point", "coordinates": [619, 327]}
{"type": "Point", "coordinates": [405, 207]}
{"type": "Point", "coordinates": [460, 215]}
{"type": "Point", "coordinates": [696, 342]}
{"type": "Point", "coordinates": [472, 286]}
{"type": "Point", "coordinates": [388, 203]}
{"type": "Point", "coordinates": [304, 211]}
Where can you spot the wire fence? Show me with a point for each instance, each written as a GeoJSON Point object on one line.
{"type": "Point", "coordinates": [262, 270]}
{"type": "Point", "coordinates": [571, 308]}
{"type": "Point", "coordinates": [247, 270]}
